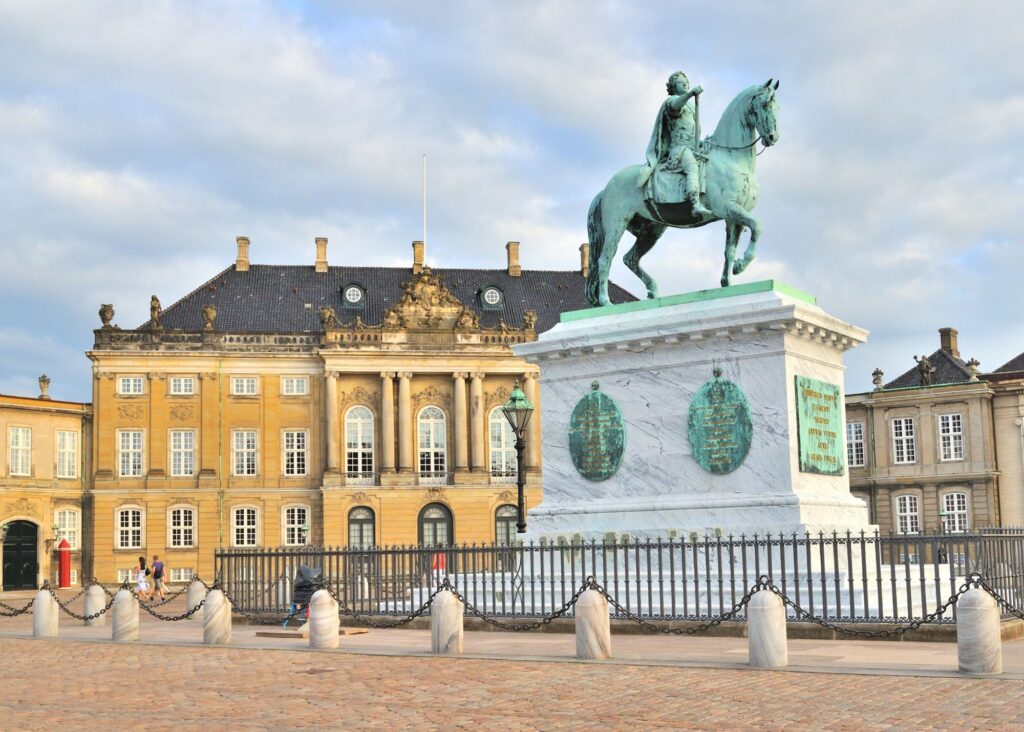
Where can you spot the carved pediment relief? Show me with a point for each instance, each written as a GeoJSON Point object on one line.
{"type": "Point", "coordinates": [181, 412]}
{"type": "Point", "coordinates": [129, 411]}
{"type": "Point", "coordinates": [360, 497]}
{"type": "Point", "coordinates": [20, 507]}
{"type": "Point", "coordinates": [358, 395]}
{"type": "Point", "coordinates": [506, 497]}
{"type": "Point", "coordinates": [435, 495]}
{"type": "Point", "coordinates": [430, 395]}
{"type": "Point", "coordinates": [498, 396]}
{"type": "Point", "coordinates": [425, 304]}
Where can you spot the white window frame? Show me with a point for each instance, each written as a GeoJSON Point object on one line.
{"type": "Point", "coordinates": [66, 444]}
{"type": "Point", "coordinates": [131, 385]}
{"type": "Point", "coordinates": [248, 527]}
{"type": "Point", "coordinates": [19, 451]}
{"type": "Point", "coordinates": [294, 386]}
{"type": "Point", "coordinates": [241, 453]}
{"type": "Point", "coordinates": [182, 459]}
{"type": "Point", "coordinates": [360, 458]}
{"type": "Point", "coordinates": [435, 470]}
{"type": "Point", "coordinates": [180, 575]}
{"type": "Point", "coordinates": [294, 453]}
{"type": "Point", "coordinates": [951, 437]}
{"type": "Point", "coordinates": [126, 575]}
{"type": "Point", "coordinates": [181, 385]}
{"type": "Point", "coordinates": [293, 517]}
{"type": "Point", "coordinates": [73, 576]}
{"type": "Point", "coordinates": [120, 531]}
{"type": "Point", "coordinates": [956, 508]}
{"type": "Point", "coordinates": [187, 530]}
{"type": "Point", "coordinates": [501, 448]}
{"type": "Point", "coordinates": [134, 470]}
{"type": "Point", "coordinates": [908, 513]}
{"type": "Point", "coordinates": [245, 386]}
{"type": "Point", "coordinates": [70, 532]}
{"type": "Point", "coordinates": [855, 456]}
{"type": "Point", "coordinates": [904, 440]}
{"type": "Point", "coordinates": [502, 516]}
{"type": "Point", "coordinates": [357, 517]}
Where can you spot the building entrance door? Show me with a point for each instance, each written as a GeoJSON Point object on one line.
{"type": "Point", "coordinates": [20, 561]}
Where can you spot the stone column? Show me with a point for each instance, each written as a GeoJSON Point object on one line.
{"type": "Point", "coordinates": [124, 623]}
{"type": "Point", "coordinates": [95, 600]}
{"type": "Point", "coordinates": [333, 435]}
{"type": "Point", "coordinates": [461, 423]}
{"type": "Point", "coordinates": [979, 646]}
{"type": "Point", "coordinates": [766, 631]}
{"type": "Point", "coordinates": [533, 436]}
{"type": "Point", "coordinates": [387, 421]}
{"type": "Point", "coordinates": [216, 619]}
{"type": "Point", "coordinates": [404, 423]}
{"type": "Point", "coordinates": [446, 624]}
{"type": "Point", "coordinates": [45, 615]}
{"type": "Point", "coordinates": [324, 624]}
{"type": "Point", "coordinates": [476, 413]}
{"type": "Point", "coordinates": [593, 626]}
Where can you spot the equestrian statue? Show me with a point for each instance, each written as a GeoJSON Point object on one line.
{"type": "Point", "coordinates": [685, 182]}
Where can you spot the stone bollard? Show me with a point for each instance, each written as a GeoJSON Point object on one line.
{"type": "Point", "coordinates": [446, 624]}
{"type": "Point", "coordinates": [45, 615]}
{"type": "Point", "coordinates": [193, 596]}
{"type": "Point", "coordinates": [979, 645]}
{"type": "Point", "coordinates": [324, 623]}
{"type": "Point", "coordinates": [593, 626]}
{"type": "Point", "coordinates": [766, 631]}
{"type": "Point", "coordinates": [125, 617]}
{"type": "Point", "coordinates": [216, 619]}
{"type": "Point", "coordinates": [95, 600]}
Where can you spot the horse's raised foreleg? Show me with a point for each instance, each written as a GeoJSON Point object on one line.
{"type": "Point", "coordinates": [647, 234]}
{"type": "Point", "coordinates": [740, 217]}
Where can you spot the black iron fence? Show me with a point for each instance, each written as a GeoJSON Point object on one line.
{"type": "Point", "coordinates": [850, 577]}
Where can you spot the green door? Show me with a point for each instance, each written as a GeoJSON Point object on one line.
{"type": "Point", "coordinates": [20, 561]}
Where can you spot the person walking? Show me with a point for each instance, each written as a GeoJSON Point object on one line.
{"type": "Point", "coordinates": [141, 583]}
{"type": "Point", "coordinates": [158, 578]}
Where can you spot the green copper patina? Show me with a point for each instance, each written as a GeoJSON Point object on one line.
{"type": "Point", "coordinates": [667, 189]}
{"type": "Point", "coordinates": [719, 425]}
{"type": "Point", "coordinates": [597, 435]}
{"type": "Point", "coordinates": [819, 425]}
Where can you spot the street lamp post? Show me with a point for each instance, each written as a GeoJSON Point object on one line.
{"type": "Point", "coordinates": [517, 411]}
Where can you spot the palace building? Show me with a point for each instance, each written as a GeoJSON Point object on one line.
{"type": "Point", "coordinates": [330, 405]}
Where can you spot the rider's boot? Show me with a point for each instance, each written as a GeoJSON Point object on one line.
{"type": "Point", "coordinates": [697, 207]}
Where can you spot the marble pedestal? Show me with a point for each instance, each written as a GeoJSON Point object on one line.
{"type": "Point", "coordinates": [651, 358]}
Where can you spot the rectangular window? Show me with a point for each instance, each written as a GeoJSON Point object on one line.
{"type": "Point", "coordinates": [183, 524]}
{"type": "Point", "coordinates": [20, 450]}
{"type": "Point", "coordinates": [243, 385]}
{"type": "Point", "coordinates": [182, 385]}
{"type": "Point", "coordinates": [181, 574]}
{"type": "Point", "coordinates": [908, 519]}
{"type": "Point", "coordinates": [294, 385]}
{"type": "Point", "coordinates": [954, 512]}
{"type": "Point", "coordinates": [951, 436]}
{"type": "Point", "coordinates": [245, 453]}
{"type": "Point", "coordinates": [855, 444]}
{"type": "Point", "coordinates": [125, 575]}
{"type": "Point", "coordinates": [74, 576]}
{"type": "Point", "coordinates": [66, 521]}
{"type": "Point", "coordinates": [295, 452]}
{"type": "Point", "coordinates": [130, 385]}
{"type": "Point", "coordinates": [130, 453]}
{"type": "Point", "coordinates": [296, 525]}
{"type": "Point", "coordinates": [904, 449]}
{"type": "Point", "coordinates": [183, 452]}
{"type": "Point", "coordinates": [244, 521]}
{"type": "Point", "coordinates": [129, 528]}
{"type": "Point", "coordinates": [67, 454]}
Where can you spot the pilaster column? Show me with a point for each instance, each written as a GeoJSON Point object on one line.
{"type": "Point", "coordinates": [533, 435]}
{"type": "Point", "coordinates": [461, 422]}
{"type": "Point", "coordinates": [476, 412]}
{"type": "Point", "coordinates": [156, 452]}
{"type": "Point", "coordinates": [209, 430]}
{"type": "Point", "coordinates": [404, 423]}
{"type": "Point", "coordinates": [333, 427]}
{"type": "Point", "coordinates": [387, 421]}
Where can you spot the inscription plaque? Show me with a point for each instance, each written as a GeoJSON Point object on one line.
{"type": "Point", "coordinates": [597, 435]}
{"type": "Point", "coordinates": [818, 420]}
{"type": "Point", "coordinates": [719, 425]}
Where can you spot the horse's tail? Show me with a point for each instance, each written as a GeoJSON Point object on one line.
{"type": "Point", "coordinates": [595, 235]}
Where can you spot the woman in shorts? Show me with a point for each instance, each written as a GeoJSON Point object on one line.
{"type": "Point", "coordinates": [141, 583]}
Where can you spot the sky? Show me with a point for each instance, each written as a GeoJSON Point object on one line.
{"type": "Point", "coordinates": [137, 140]}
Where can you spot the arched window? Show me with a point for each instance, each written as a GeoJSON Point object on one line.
{"type": "Point", "coordinates": [245, 526]}
{"type": "Point", "coordinates": [505, 525]}
{"type": "Point", "coordinates": [433, 457]}
{"type": "Point", "coordinates": [361, 528]}
{"type": "Point", "coordinates": [436, 525]}
{"type": "Point", "coordinates": [503, 448]}
{"type": "Point", "coordinates": [128, 520]}
{"type": "Point", "coordinates": [296, 525]}
{"type": "Point", "coordinates": [954, 512]}
{"type": "Point", "coordinates": [908, 517]}
{"type": "Point", "coordinates": [359, 446]}
{"type": "Point", "coordinates": [181, 527]}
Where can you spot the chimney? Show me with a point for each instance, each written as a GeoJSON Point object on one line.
{"type": "Point", "coordinates": [514, 270]}
{"type": "Point", "coordinates": [321, 254]}
{"type": "Point", "coordinates": [947, 341]}
{"type": "Point", "coordinates": [44, 387]}
{"type": "Point", "coordinates": [242, 262]}
{"type": "Point", "coordinates": [585, 259]}
{"type": "Point", "coordinates": [418, 248]}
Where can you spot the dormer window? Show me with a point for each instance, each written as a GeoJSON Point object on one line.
{"type": "Point", "coordinates": [353, 295]}
{"type": "Point", "coordinates": [491, 298]}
